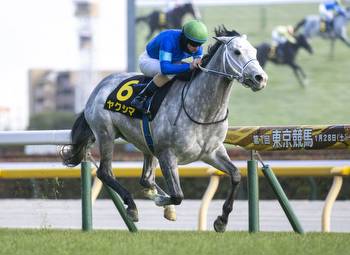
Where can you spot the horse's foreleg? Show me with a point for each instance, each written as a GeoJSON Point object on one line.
{"type": "Point", "coordinates": [148, 177]}
{"type": "Point", "coordinates": [299, 74]}
{"type": "Point", "coordinates": [104, 173]}
{"type": "Point", "coordinates": [151, 188]}
{"type": "Point", "coordinates": [332, 49]}
{"type": "Point", "coordinates": [220, 160]}
{"type": "Point", "coordinates": [344, 37]}
{"type": "Point", "coordinates": [168, 165]}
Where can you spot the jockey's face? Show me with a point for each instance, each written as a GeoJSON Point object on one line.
{"type": "Point", "coordinates": [191, 48]}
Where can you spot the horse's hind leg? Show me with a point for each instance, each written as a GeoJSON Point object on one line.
{"type": "Point", "coordinates": [105, 140]}
{"type": "Point", "coordinates": [151, 188]}
{"type": "Point", "coordinates": [220, 160]}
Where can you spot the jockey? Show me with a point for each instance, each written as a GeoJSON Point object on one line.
{"type": "Point", "coordinates": [329, 9]}
{"type": "Point", "coordinates": [281, 35]}
{"type": "Point", "coordinates": [164, 54]}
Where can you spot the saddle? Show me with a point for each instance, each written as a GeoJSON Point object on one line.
{"type": "Point", "coordinates": [120, 98]}
{"type": "Point", "coordinates": [326, 27]}
{"type": "Point", "coordinates": [276, 53]}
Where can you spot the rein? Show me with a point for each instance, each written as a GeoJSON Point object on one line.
{"type": "Point", "coordinates": [238, 75]}
{"type": "Point", "coordinates": [189, 116]}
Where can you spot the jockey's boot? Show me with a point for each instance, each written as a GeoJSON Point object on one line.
{"type": "Point", "coordinates": [139, 101]}
{"type": "Point", "coordinates": [323, 26]}
{"type": "Point", "coordinates": [272, 52]}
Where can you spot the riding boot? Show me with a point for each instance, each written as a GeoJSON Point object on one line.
{"type": "Point", "coordinates": [139, 101]}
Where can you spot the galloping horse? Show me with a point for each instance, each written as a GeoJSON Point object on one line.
{"type": "Point", "coordinates": [310, 27]}
{"type": "Point", "coordinates": [285, 55]}
{"type": "Point", "coordinates": [158, 20]}
{"type": "Point", "coordinates": [191, 124]}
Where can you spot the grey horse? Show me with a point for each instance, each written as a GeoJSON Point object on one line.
{"type": "Point", "coordinates": [190, 125]}
{"type": "Point", "coordinates": [310, 27]}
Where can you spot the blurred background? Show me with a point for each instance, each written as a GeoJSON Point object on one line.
{"type": "Point", "coordinates": [53, 53]}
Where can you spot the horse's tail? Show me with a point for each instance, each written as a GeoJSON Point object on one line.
{"type": "Point", "coordinates": [81, 136]}
{"type": "Point", "coordinates": [299, 25]}
{"type": "Point", "coordinates": [262, 53]}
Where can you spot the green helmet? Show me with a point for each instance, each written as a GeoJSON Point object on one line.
{"type": "Point", "coordinates": [196, 31]}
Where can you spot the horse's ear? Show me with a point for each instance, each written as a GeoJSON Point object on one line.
{"type": "Point", "coordinates": [244, 36]}
{"type": "Point", "coordinates": [218, 39]}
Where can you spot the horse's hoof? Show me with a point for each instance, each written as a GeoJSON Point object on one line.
{"type": "Point", "coordinates": [219, 225]}
{"type": "Point", "coordinates": [170, 212]}
{"type": "Point", "coordinates": [133, 214]}
{"type": "Point", "coordinates": [150, 193]}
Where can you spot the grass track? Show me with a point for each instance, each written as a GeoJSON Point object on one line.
{"type": "Point", "coordinates": [283, 101]}
{"type": "Point", "coordinates": [44, 242]}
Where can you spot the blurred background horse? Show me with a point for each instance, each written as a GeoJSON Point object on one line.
{"type": "Point", "coordinates": [285, 55]}
{"type": "Point", "coordinates": [159, 20]}
{"type": "Point", "coordinates": [311, 26]}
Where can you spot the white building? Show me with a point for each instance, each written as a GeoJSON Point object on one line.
{"type": "Point", "coordinates": [43, 34]}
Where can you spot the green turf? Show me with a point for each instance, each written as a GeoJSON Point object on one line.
{"type": "Point", "coordinates": [44, 242]}
{"type": "Point", "coordinates": [283, 101]}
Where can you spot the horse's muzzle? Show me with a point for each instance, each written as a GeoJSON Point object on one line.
{"type": "Point", "coordinates": [257, 81]}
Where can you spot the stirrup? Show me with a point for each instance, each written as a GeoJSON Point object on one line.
{"type": "Point", "coordinates": [139, 103]}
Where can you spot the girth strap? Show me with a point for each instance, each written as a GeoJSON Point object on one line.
{"type": "Point", "coordinates": [146, 130]}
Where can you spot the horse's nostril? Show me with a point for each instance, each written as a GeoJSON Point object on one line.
{"type": "Point", "coordinates": [258, 77]}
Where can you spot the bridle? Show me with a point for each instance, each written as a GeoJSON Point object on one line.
{"type": "Point", "coordinates": [238, 75]}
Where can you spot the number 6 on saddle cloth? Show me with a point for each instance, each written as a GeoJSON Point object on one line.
{"type": "Point", "coordinates": [120, 98]}
{"type": "Point", "coordinates": [120, 101]}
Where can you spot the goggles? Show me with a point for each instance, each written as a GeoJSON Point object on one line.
{"type": "Point", "coordinates": [193, 43]}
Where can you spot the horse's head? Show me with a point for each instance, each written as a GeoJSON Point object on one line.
{"type": "Point", "coordinates": [303, 42]}
{"type": "Point", "coordinates": [239, 59]}
{"type": "Point", "coordinates": [192, 9]}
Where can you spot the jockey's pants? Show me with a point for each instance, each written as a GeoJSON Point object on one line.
{"type": "Point", "coordinates": [151, 67]}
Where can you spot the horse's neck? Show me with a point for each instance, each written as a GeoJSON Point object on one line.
{"type": "Point", "coordinates": [339, 22]}
{"type": "Point", "coordinates": [180, 12]}
{"type": "Point", "coordinates": [210, 93]}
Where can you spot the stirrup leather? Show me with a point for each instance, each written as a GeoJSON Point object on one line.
{"type": "Point", "coordinates": [139, 103]}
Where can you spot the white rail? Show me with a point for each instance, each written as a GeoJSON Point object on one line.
{"type": "Point", "coordinates": [42, 137]}
{"type": "Point", "coordinates": [38, 137]}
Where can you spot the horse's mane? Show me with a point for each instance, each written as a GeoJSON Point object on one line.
{"type": "Point", "coordinates": [219, 31]}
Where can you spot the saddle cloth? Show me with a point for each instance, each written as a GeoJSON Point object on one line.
{"type": "Point", "coordinates": [120, 98]}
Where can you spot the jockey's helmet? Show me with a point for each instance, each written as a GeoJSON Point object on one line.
{"type": "Point", "coordinates": [196, 32]}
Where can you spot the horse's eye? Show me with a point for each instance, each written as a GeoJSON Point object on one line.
{"type": "Point", "coordinates": [237, 52]}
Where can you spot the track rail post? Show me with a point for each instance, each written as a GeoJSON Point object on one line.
{"type": "Point", "coordinates": [282, 199]}
{"type": "Point", "coordinates": [253, 194]}
{"type": "Point", "coordinates": [119, 205]}
{"type": "Point", "coordinates": [86, 195]}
